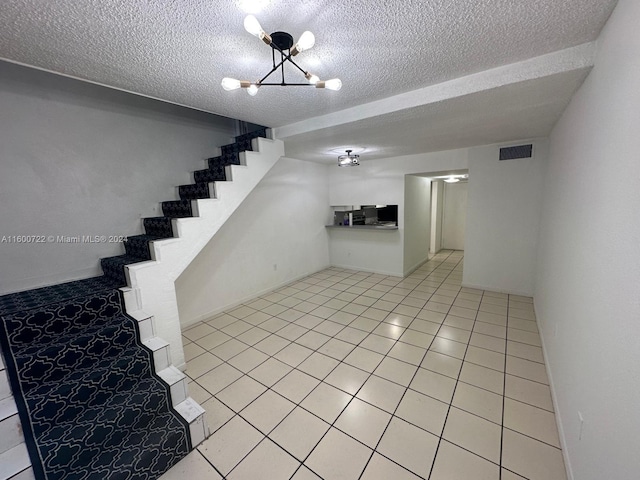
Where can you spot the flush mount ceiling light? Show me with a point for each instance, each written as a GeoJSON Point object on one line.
{"type": "Point", "coordinates": [283, 43]}
{"type": "Point", "coordinates": [349, 160]}
{"type": "Point", "coordinates": [455, 178]}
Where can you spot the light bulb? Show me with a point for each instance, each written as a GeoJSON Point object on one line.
{"type": "Point", "coordinates": [333, 84]}
{"type": "Point", "coordinates": [252, 90]}
{"type": "Point", "coordinates": [452, 180]}
{"type": "Point", "coordinates": [230, 83]}
{"type": "Point", "coordinates": [252, 25]}
{"type": "Point", "coordinates": [307, 40]}
{"type": "Point", "coordinates": [313, 79]}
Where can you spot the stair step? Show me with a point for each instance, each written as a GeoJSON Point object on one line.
{"type": "Point", "coordinates": [224, 160]}
{"type": "Point", "coordinates": [15, 461]}
{"type": "Point", "coordinates": [10, 427]}
{"type": "Point", "coordinates": [113, 267]}
{"type": "Point", "coordinates": [160, 227]}
{"type": "Point", "coordinates": [208, 175]}
{"type": "Point", "coordinates": [177, 382]}
{"type": "Point", "coordinates": [195, 416]}
{"type": "Point", "coordinates": [177, 208]}
{"type": "Point", "coordinates": [194, 191]}
{"type": "Point", "coordinates": [138, 246]}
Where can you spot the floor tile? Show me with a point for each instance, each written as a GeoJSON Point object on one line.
{"type": "Point", "coordinates": [194, 466]}
{"type": "Point", "coordinates": [198, 393]}
{"type": "Point", "coordinates": [407, 353]}
{"type": "Point", "coordinates": [290, 315]}
{"type": "Point", "coordinates": [328, 328]}
{"type": "Point", "coordinates": [240, 393]}
{"type": "Point", "coordinates": [488, 342]}
{"type": "Point", "coordinates": [270, 371]}
{"type": "Point", "coordinates": [192, 350]}
{"type": "Point", "coordinates": [299, 433]}
{"type": "Point", "coordinates": [217, 413]}
{"type": "Point", "coordinates": [219, 378]}
{"type": "Point", "coordinates": [273, 324]}
{"type": "Point", "coordinates": [527, 391]}
{"type": "Point", "coordinates": [381, 393]}
{"type": "Point", "coordinates": [364, 359]}
{"type": "Point", "coordinates": [473, 433]}
{"type": "Point", "coordinates": [236, 328]}
{"type": "Point", "coordinates": [409, 446]}
{"type": "Point", "coordinates": [267, 460]}
{"type": "Point", "coordinates": [338, 457]}
{"type": "Point", "coordinates": [424, 326]}
{"type": "Point", "coordinates": [347, 378]}
{"type": "Point", "coordinates": [248, 360]}
{"type": "Point", "coordinates": [478, 401]}
{"type": "Point", "coordinates": [522, 336]}
{"type": "Point", "coordinates": [230, 444]}
{"type": "Point", "coordinates": [313, 340]}
{"type": "Point", "coordinates": [452, 333]}
{"type": "Point", "coordinates": [521, 350]}
{"type": "Point", "coordinates": [212, 340]}
{"type": "Point", "coordinates": [293, 354]}
{"type": "Point", "coordinates": [417, 339]}
{"type": "Point", "coordinates": [498, 331]}
{"type": "Point", "coordinates": [381, 468]}
{"type": "Point", "coordinates": [482, 377]}
{"type": "Point", "coordinates": [443, 364]}
{"type": "Point", "coordinates": [531, 421]}
{"type": "Point", "coordinates": [308, 321]}
{"type": "Point", "coordinates": [532, 459]}
{"type": "Point", "coordinates": [378, 344]}
{"type": "Point", "coordinates": [253, 336]}
{"type": "Point", "coordinates": [326, 402]}
{"type": "Point", "coordinates": [364, 324]}
{"type": "Point", "coordinates": [272, 344]}
{"type": "Point", "coordinates": [229, 349]}
{"type": "Point", "coordinates": [351, 335]}
{"type": "Point", "coordinates": [423, 411]}
{"type": "Point", "coordinates": [485, 358]}
{"type": "Point", "coordinates": [257, 318]}
{"type": "Point", "coordinates": [337, 349]}
{"type": "Point", "coordinates": [198, 331]}
{"type": "Point", "coordinates": [433, 384]}
{"type": "Point", "coordinates": [396, 371]}
{"type": "Point", "coordinates": [304, 473]}
{"type": "Point", "coordinates": [363, 422]}
{"type": "Point", "coordinates": [242, 312]}
{"type": "Point", "coordinates": [526, 325]}
{"type": "Point", "coordinates": [267, 411]}
{"type": "Point", "coordinates": [527, 369]}
{"type": "Point", "coordinates": [455, 463]}
{"type": "Point", "coordinates": [448, 347]}
{"type": "Point", "coordinates": [296, 385]}
{"type": "Point", "coordinates": [292, 332]}
{"type": "Point", "coordinates": [202, 364]}
{"type": "Point", "coordinates": [318, 365]}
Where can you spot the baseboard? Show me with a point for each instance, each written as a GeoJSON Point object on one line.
{"type": "Point", "coordinates": [554, 400]}
{"type": "Point", "coordinates": [489, 288]}
{"type": "Point", "coordinates": [417, 266]}
{"type": "Point", "coordinates": [212, 313]}
{"type": "Point", "coordinates": [369, 270]}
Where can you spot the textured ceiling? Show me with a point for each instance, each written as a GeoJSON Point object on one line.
{"type": "Point", "coordinates": [179, 50]}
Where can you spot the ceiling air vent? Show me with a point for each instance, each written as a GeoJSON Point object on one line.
{"type": "Point", "coordinates": [519, 151]}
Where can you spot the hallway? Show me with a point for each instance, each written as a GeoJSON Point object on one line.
{"type": "Point", "coordinates": [351, 375]}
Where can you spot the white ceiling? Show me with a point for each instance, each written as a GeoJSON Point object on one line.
{"type": "Point", "coordinates": [180, 50]}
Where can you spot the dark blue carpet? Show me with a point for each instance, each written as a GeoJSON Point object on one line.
{"type": "Point", "coordinates": [90, 403]}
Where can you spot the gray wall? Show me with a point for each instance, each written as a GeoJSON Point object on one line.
{"type": "Point", "coordinates": [80, 159]}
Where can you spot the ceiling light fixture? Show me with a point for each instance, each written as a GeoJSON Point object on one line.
{"type": "Point", "coordinates": [452, 180]}
{"type": "Point", "coordinates": [283, 43]}
{"type": "Point", "coordinates": [349, 160]}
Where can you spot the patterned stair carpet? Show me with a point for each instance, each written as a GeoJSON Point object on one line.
{"type": "Point", "coordinates": [90, 403]}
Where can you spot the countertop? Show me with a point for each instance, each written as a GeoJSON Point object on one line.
{"type": "Point", "coordinates": [364, 227]}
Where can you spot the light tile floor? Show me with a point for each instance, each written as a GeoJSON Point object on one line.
{"type": "Point", "coordinates": [351, 375]}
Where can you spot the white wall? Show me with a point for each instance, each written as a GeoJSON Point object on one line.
{"type": "Point", "coordinates": [79, 159]}
{"type": "Point", "coordinates": [417, 221]}
{"type": "Point", "coordinates": [587, 290]}
{"type": "Point", "coordinates": [503, 217]}
{"type": "Point", "coordinates": [437, 200]}
{"type": "Point", "coordinates": [454, 215]}
{"type": "Point", "coordinates": [277, 235]}
{"type": "Point", "coordinates": [380, 182]}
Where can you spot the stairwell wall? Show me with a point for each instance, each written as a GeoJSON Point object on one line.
{"type": "Point", "coordinates": [274, 237]}
{"type": "Point", "coordinates": [79, 159]}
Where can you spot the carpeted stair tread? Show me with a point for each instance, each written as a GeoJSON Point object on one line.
{"type": "Point", "coordinates": [194, 191]}
{"type": "Point", "coordinates": [113, 267]}
{"type": "Point", "coordinates": [30, 299]}
{"type": "Point", "coordinates": [48, 324]}
{"type": "Point", "coordinates": [177, 208]}
{"type": "Point", "coordinates": [138, 245]}
{"type": "Point", "coordinates": [207, 175]}
{"type": "Point", "coordinates": [160, 227]}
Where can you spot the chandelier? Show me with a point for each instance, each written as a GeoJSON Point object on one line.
{"type": "Point", "coordinates": [348, 160]}
{"type": "Point", "coordinates": [281, 43]}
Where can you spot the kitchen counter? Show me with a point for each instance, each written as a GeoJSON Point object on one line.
{"type": "Point", "coordinates": [364, 227]}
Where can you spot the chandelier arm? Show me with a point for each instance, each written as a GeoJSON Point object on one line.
{"type": "Point", "coordinates": [287, 84]}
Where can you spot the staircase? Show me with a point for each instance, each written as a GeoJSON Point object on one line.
{"type": "Point", "coordinates": [95, 393]}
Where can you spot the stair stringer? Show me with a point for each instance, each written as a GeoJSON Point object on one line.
{"type": "Point", "coordinates": [152, 283]}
